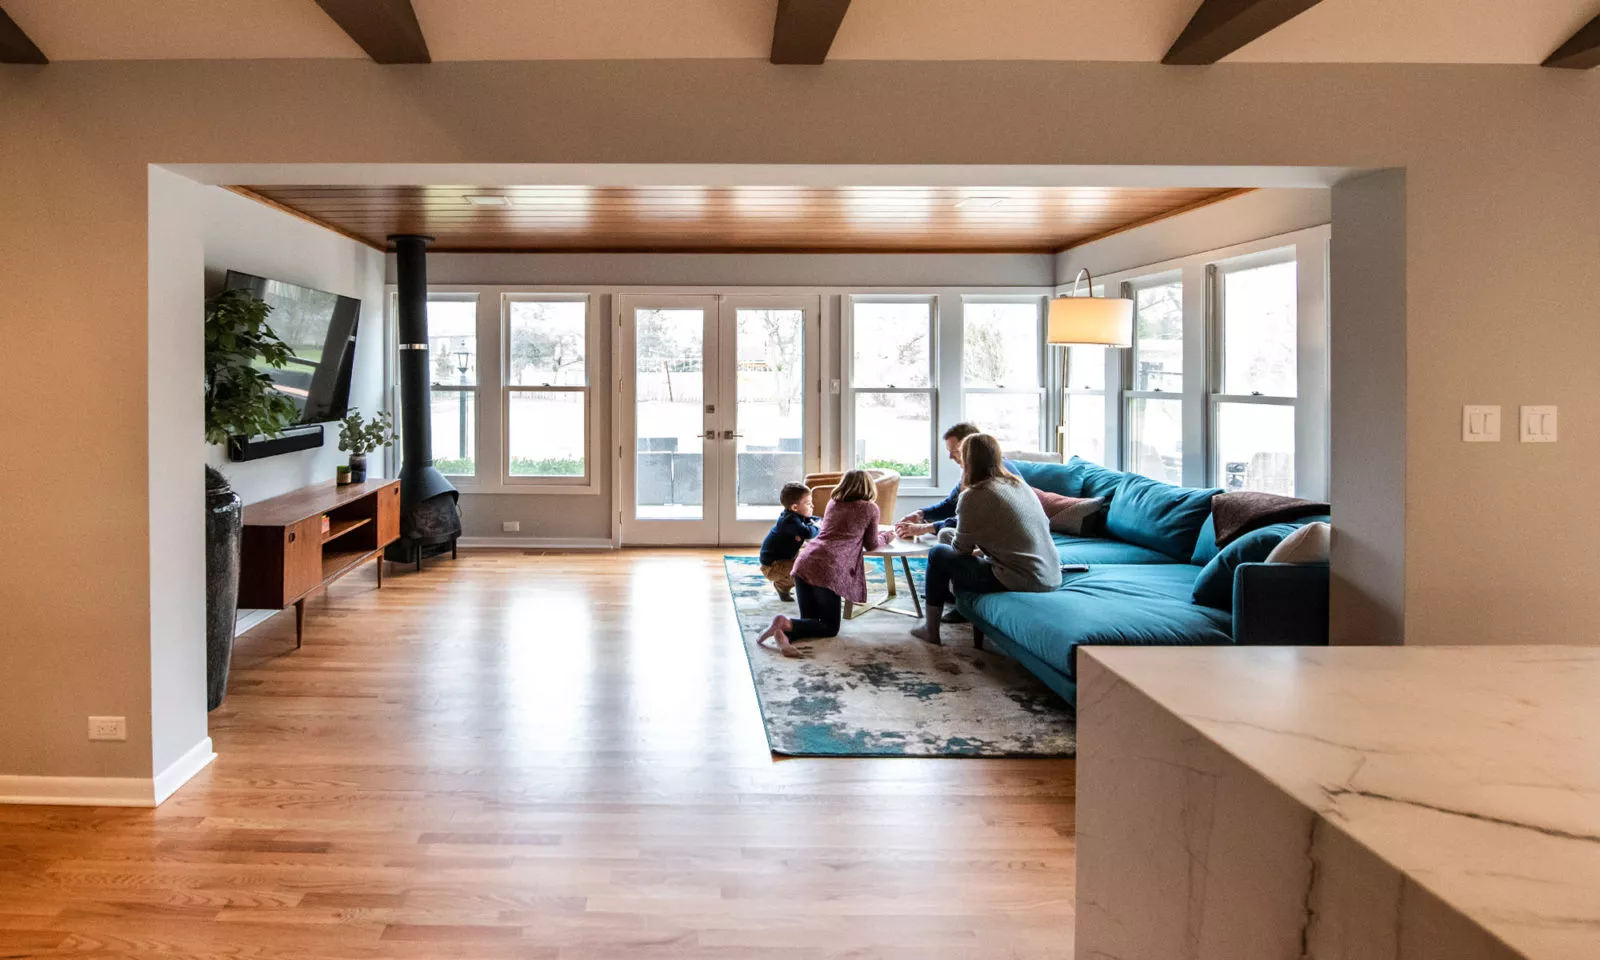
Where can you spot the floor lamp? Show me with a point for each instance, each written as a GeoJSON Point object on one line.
{"type": "Point", "coordinates": [1085, 320]}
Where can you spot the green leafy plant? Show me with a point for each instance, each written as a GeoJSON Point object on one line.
{"type": "Point", "coordinates": [919, 469]}
{"type": "Point", "coordinates": [240, 397]}
{"type": "Point", "coordinates": [359, 437]}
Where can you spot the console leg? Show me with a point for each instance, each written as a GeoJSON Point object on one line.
{"type": "Point", "coordinates": [452, 548]}
{"type": "Point", "coordinates": [380, 571]}
{"type": "Point", "coordinates": [419, 558]}
{"type": "Point", "coordinates": [299, 622]}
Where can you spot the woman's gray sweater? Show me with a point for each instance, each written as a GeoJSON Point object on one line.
{"type": "Point", "coordinates": [1006, 522]}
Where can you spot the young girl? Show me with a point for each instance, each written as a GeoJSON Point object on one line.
{"type": "Point", "coordinates": [829, 568]}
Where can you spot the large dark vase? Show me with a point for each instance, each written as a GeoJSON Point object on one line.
{"type": "Point", "coordinates": [224, 527]}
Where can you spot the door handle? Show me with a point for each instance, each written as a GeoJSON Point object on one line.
{"type": "Point", "coordinates": [730, 435]}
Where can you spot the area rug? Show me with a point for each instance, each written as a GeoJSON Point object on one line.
{"type": "Point", "coordinates": [877, 691]}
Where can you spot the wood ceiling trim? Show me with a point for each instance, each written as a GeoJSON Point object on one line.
{"type": "Point", "coordinates": [387, 29]}
{"type": "Point", "coordinates": [1581, 51]}
{"type": "Point", "coordinates": [1220, 27]}
{"type": "Point", "coordinates": [249, 194]}
{"type": "Point", "coordinates": [1186, 208]}
{"type": "Point", "coordinates": [15, 46]}
{"type": "Point", "coordinates": [803, 31]}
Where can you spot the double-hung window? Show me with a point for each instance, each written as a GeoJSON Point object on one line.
{"type": "Point", "coordinates": [1000, 367]}
{"type": "Point", "coordinates": [546, 387]}
{"type": "Point", "coordinates": [453, 373]}
{"type": "Point", "coordinates": [1153, 407]}
{"type": "Point", "coordinates": [891, 385]}
{"type": "Point", "coordinates": [1255, 320]}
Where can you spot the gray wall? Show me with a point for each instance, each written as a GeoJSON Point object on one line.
{"type": "Point", "coordinates": [1500, 244]}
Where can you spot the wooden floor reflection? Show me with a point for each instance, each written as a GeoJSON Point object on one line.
{"type": "Point", "coordinates": [539, 756]}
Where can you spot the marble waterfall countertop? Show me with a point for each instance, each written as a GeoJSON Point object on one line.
{"type": "Point", "coordinates": [1474, 771]}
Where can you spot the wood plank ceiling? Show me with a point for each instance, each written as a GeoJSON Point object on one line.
{"type": "Point", "coordinates": [734, 219]}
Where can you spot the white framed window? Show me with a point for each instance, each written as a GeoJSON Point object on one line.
{"type": "Point", "coordinates": [1002, 389]}
{"type": "Point", "coordinates": [547, 408]}
{"type": "Point", "coordinates": [453, 381]}
{"type": "Point", "coordinates": [891, 389]}
{"type": "Point", "coordinates": [1153, 407]}
{"type": "Point", "coordinates": [1254, 338]}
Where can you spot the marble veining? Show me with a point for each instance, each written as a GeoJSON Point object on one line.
{"type": "Point", "coordinates": [1472, 773]}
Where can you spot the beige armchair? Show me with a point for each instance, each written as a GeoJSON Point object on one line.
{"type": "Point", "coordinates": [887, 482]}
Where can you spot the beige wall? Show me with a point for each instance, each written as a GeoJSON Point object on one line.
{"type": "Point", "coordinates": [1500, 238]}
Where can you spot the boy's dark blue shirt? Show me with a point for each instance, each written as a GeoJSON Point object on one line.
{"type": "Point", "coordinates": [781, 542]}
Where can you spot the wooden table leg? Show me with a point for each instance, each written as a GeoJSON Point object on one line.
{"type": "Point", "coordinates": [299, 621]}
{"type": "Point", "coordinates": [380, 571]}
{"type": "Point", "coordinates": [888, 575]}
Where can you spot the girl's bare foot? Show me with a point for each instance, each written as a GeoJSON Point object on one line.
{"type": "Point", "coordinates": [779, 626]}
{"type": "Point", "coordinates": [785, 647]}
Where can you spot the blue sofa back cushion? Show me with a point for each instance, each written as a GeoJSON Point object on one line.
{"type": "Point", "coordinates": [1214, 586]}
{"type": "Point", "coordinates": [1075, 478]}
{"type": "Point", "coordinates": [1159, 515]}
{"type": "Point", "coordinates": [1206, 546]}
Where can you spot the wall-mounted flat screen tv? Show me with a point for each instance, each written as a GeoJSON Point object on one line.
{"type": "Point", "coordinates": [320, 329]}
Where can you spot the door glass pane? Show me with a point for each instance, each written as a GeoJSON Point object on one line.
{"type": "Point", "coordinates": [769, 415]}
{"type": "Point", "coordinates": [1000, 345]}
{"type": "Point", "coordinates": [455, 428]}
{"type": "Point", "coordinates": [890, 344]}
{"type": "Point", "coordinates": [546, 346]}
{"type": "Point", "coordinates": [1259, 330]}
{"type": "Point", "coordinates": [894, 431]}
{"type": "Point", "coordinates": [1158, 337]}
{"type": "Point", "coordinates": [1155, 439]}
{"type": "Point", "coordinates": [1255, 447]}
{"type": "Point", "coordinates": [1011, 418]}
{"type": "Point", "coordinates": [545, 435]}
{"type": "Point", "coordinates": [669, 384]}
{"type": "Point", "coordinates": [1086, 426]}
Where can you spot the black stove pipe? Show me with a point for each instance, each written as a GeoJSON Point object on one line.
{"type": "Point", "coordinates": [419, 479]}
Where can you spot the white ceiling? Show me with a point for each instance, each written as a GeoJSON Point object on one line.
{"type": "Point", "coordinates": [1399, 31]}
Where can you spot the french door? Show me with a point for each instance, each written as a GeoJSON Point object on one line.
{"type": "Point", "coordinates": [719, 409]}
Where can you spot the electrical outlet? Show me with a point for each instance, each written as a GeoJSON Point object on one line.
{"type": "Point", "coordinates": [510, 526]}
{"type": "Point", "coordinates": [108, 728]}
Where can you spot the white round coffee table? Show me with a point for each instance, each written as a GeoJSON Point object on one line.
{"type": "Point", "coordinates": [904, 550]}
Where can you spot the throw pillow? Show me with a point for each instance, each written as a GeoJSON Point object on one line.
{"type": "Point", "coordinates": [1074, 518]}
{"type": "Point", "coordinates": [1309, 544]}
{"type": "Point", "coordinates": [1067, 514]}
{"type": "Point", "coordinates": [1214, 586]}
{"type": "Point", "coordinates": [1159, 515]}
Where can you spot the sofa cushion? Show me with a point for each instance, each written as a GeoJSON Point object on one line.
{"type": "Point", "coordinates": [1159, 515]}
{"type": "Point", "coordinates": [1214, 585]}
{"type": "Point", "coordinates": [1122, 605]}
{"type": "Point", "coordinates": [1096, 550]}
{"type": "Point", "coordinates": [1075, 478]}
{"type": "Point", "coordinates": [1206, 546]}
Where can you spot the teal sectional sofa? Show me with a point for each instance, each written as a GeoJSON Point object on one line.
{"type": "Point", "coordinates": [1159, 554]}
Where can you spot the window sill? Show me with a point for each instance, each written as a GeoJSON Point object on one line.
{"type": "Point", "coordinates": [531, 489]}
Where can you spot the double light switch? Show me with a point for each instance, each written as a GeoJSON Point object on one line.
{"type": "Point", "coordinates": [1481, 424]}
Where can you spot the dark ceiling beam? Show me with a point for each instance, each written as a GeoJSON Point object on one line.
{"type": "Point", "coordinates": [1220, 27]}
{"type": "Point", "coordinates": [804, 30]}
{"type": "Point", "coordinates": [15, 47]}
{"type": "Point", "coordinates": [386, 29]}
{"type": "Point", "coordinates": [1581, 52]}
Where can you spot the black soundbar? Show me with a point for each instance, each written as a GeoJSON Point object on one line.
{"type": "Point", "coordinates": [292, 439]}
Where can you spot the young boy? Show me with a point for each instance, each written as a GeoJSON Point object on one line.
{"type": "Point", "coordinates": [794, 527]}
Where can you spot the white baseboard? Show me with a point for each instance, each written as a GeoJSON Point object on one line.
{"type": "Point", "coordinates": [180, 771]}
{"type": "Point", "coordinates": [107, 791]}
{"type": "Point", "coordinates": [534, 543]}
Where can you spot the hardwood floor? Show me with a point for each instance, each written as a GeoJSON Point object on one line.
{"type": "Point", "coordinates": [539, 756]}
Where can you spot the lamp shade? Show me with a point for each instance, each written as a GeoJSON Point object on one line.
{"type": "Point", "coordinates": [1106, 321]}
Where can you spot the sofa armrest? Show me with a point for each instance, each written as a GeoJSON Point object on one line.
{"type": "Point", "coordinates": [1280, 604]}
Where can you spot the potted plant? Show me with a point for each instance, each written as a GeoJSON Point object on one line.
{"type": "Point", "coordinates": [359, 437]}
{"type": "Point", "coordinates": [240, 401]}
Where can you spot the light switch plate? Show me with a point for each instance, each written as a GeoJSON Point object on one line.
{"type": "Point", "coordinates": [1480, 424]}
{"type": "Point", "coordinates": [1538, 424]}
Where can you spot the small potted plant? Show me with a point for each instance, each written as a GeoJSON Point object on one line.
{"type": "Point", "coordinates": [359, 437]}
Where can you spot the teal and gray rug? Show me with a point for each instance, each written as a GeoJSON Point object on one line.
{"type": "Point", "coordinates": [877, 691]}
